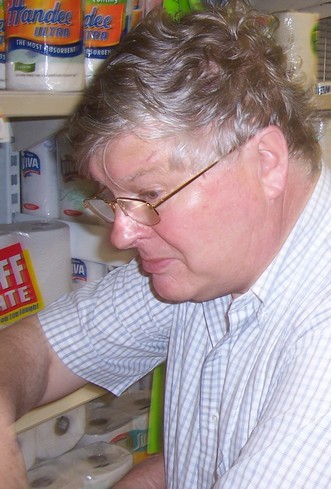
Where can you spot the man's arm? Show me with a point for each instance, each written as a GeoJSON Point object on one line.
{"type": "Point", "coordinates": [30, 374]}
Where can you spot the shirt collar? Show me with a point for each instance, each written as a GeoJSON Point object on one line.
{"type": "Point", "coordinates": [313, 224]}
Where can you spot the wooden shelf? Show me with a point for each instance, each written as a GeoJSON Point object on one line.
{"type": "Point", "coordinates": [37, 104]}
{"type": "Point", "coordinates": [56, 408]}
{"type": "Point", "coordinates": [17, 104]}
{"type": "Point", "coordinates": [323, 102]}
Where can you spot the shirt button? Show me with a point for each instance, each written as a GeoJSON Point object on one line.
{"type": "Point", "coordinates": [214, 418]}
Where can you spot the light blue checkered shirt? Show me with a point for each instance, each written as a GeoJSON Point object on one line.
{"type": "Point", "coordinates": [248, 397]}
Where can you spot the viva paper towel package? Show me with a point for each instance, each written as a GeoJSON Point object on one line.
{"type": "Point", "coordinates": [2, 47]}
{"type": "Point", "coordinates": [73, 188]}
{"type": "Point", "coordinates": [34, 267]}
{"type": "Point", "coordinates": [104, 23]}
{"type": "Point", "coordinates": [39, 180]}
{"type": "Point", "coordinates": [44, 45]}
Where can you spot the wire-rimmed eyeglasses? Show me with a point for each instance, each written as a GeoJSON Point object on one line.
{"type": "Point", "coordinates": [138, 210]}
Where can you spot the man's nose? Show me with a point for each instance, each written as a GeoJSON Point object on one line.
{"type": "Point", "coordinates": [125, 231]}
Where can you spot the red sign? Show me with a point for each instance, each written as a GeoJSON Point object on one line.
{"type": "Point", "coordinates": [19, 292]}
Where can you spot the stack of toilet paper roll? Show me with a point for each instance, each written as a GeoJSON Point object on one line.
{"type": "Point", "coordinates": [97, 466]}
{"type": "Point", "coordinates": [121, 421]}
{"type": "Point", "coordinates": [54, 437]}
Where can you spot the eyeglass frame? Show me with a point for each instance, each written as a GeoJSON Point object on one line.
{"type": "Point", "coordinates": [121, 200]}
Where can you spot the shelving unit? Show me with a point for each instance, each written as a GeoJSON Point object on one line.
{"type": "Point", "coordinates": [32, 105]}
{"type": "Point", "coordinates": [37, 104]}
{"type": "Point", "coordinates": [44, 111]}
{"type": "Point", "coordinates": [56, 408]}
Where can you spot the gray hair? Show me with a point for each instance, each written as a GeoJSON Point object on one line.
{"type": "Point", "coordinates": [216, 73]}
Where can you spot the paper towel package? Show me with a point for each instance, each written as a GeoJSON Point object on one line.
{"type": "Point", "coordinates": [60, 434]}
{"type": "Point", "coordinates": [73, 188]}
{"type": "Point", "coordinates": [97, 466]}
{"type": "Point", "coordinates": [35, 267]}
{"type": "Point", "coordinates": [44, 45]}
{"type": "Point", "coordinates": [297, 33]}
{"type": "Point", "coordinates": [39, 180]}
{"type": "Point", "coordinates": [104, 24]}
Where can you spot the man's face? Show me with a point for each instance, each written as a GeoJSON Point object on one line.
{"type": "Point", "coordinates": [210, 233]}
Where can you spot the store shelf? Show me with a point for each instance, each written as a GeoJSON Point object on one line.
{"type": "Point", "coordinates": [56, 408]}
{"type": "Point", "coordinates": [17, 104]}
{"type": "Point", "coordinates": [37, 104]}
{"type": "Point", "coordinates": [323, 102]}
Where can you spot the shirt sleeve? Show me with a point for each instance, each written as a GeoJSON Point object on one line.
{"type": "Point", "coordinates": [110, 332]}
{"type": "Point", "coordinates": [290, 447]}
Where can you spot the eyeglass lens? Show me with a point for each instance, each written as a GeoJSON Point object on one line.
{"type": "Point", "coordinates": [139, 211]}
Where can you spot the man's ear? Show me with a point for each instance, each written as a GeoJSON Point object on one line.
{"type": "Point", "coordinates": [273, 160]}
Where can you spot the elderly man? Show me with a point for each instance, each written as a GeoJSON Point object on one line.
{"type": "Point", "coordinates": [209, 166]}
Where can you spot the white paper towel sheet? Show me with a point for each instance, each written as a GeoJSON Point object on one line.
{"type": "Point", "coordinates": [297, 33]}
{"type": "Point", "coordinates": [59, 435]}
{"type": "Point", "coordinates": [98, 466]}
{"type": "Point", "coordinates": [35, 267]}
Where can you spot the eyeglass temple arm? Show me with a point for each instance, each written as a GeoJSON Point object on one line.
{"type": "Point", "coordinates": [164, 199]}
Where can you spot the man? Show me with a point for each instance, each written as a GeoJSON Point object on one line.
{"type": "Point", "coordinates": [209, 167]}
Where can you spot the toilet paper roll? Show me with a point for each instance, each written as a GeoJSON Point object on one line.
{"type": "Point", "coordinates": [60, 434]}
{"type": "Point", "coordinates": [52, 475]}
{"type": "Point", "coordinates": [45, 53]}
{"type": "Point", "coordinates": [99, 465]}
{"type": "Point", "coordinates": [27, 443]}
{"type": "Point", "coordinates": [39, 180]}
{"type": "Point", "coordinates": [35, 267]}
{"type": "Point", "coordinates": [297, 33]}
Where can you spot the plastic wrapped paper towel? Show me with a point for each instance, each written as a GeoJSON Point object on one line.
{"type": "Point", "coordinates": [44, 45]}
{"type": "Point", "coordinates": [97, 466]}
{"type": "Point", "coordinates": [35, 267]}
{"type": "Point", "coordinates": [39, 180]}
{"type": "Point", "coordinates": [297, 33]}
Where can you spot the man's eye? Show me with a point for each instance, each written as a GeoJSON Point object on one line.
{"type": "Point", "coordinates": [150, 196]}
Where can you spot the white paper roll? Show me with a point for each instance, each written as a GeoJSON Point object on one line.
{"type": "Point", "coordinates": [60, 434]}
{"type": "Point", "coordinates": [297, 33]}
{"type": "Point", "coordinates": [39, 180]}
{"type": "Point", "coordinates": [27, 442]}
{"type": "Point", "coordinates": [52, 475]}
{"type": "Point", "coordinates": [99, 465]}
{"type": "Point", "coordinates": [35, 267]}
{"type": "Point", "coordinates": [49, 248]}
